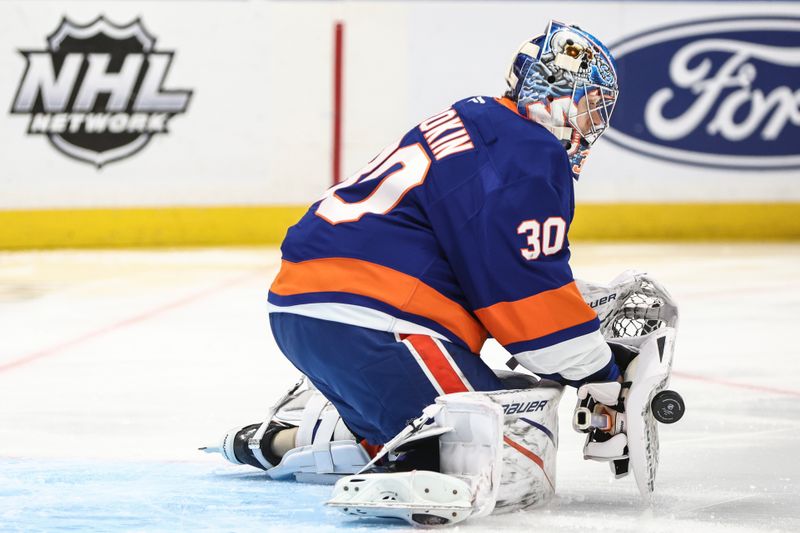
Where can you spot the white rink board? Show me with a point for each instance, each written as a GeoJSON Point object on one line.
{"type": "Point", "coordinates": [257, 130]}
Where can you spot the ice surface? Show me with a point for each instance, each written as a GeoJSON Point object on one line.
{"type": "Point", "coordinates": [116, 366]}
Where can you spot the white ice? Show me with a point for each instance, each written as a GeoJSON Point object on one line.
{"type": "Point", "coordinates": [116, 365]}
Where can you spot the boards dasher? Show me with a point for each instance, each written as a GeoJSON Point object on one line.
{"type": "Point", "coordinates": [394, 278]}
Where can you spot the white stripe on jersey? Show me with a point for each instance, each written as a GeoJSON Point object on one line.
{"type": "Point", "coordinates": [574, 359]}
{"type": "Point", "coordinates": [356, 315]}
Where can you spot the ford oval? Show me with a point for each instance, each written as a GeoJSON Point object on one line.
{"type": "Point", "coordinates": [720, 93]}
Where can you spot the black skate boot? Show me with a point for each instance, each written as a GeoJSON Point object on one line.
{"type": "Point", "coordinates": [235, 446]}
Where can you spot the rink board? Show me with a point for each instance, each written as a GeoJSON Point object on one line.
{"type": "Point", "coordinates": [186, 226]}
{"type": "Point", "coordinates": [256, 133]}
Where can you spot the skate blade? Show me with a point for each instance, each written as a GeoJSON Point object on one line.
{"type": "Point", "coordinates": [421, 515]}
{"type": "Point", "coordinates": [210, 449]}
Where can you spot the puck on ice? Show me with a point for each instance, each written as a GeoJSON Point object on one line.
{"type": "Point", "coordinates": [668, 406]}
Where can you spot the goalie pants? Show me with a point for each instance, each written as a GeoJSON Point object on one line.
{"type": "Point", "coordinates": [378, 381]}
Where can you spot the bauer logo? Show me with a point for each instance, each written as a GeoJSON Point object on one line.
{"type": "Point", "coordinates": [720, 93]}
{"type": "Point", "coordinates": [97, 90]}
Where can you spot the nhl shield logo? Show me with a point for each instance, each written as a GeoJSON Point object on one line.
{"type": "Point", "coordinates": [97, 91]}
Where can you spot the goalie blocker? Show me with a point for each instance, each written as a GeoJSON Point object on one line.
{"type": "Point", "coordinates": [639, 319]}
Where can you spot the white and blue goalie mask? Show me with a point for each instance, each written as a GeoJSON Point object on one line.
{"type": "Point", "coordinates": [566, 81]}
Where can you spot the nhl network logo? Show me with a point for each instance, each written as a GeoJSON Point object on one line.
{"type": "Point", "coordinates": [97, 90]}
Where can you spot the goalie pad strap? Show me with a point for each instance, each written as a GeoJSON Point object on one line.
{"type": "Point", "coordinates": [255, 442]}
{"type": "Point", "coordinates": [321, 445]}
{"type": "Point", "coordinates": [311, 414]}
{"type": "Point", "coordinates": [330, 450]}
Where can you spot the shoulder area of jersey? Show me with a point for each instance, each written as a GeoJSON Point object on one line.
{"type": "Point", "coordinates": [502, 110]}
{"type": "Point", "coordinates": [483, 102]}
{"type": "Point", "coordinates": [500, 116]}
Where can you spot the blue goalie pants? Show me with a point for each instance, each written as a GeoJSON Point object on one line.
{"type": "Point", "coordinates": [378, 381]}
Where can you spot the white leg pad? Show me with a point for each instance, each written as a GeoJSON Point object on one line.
{"type": "Point", "coordinates": [472, 451]}
{"type": "Point", "coordinates": [530, 443]}
{"type": "Point", "coordinates": [497, 453]}
{"type": "Point", "coordinates": [470, 463]}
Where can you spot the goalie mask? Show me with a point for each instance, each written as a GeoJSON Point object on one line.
{"type": "Point", "coordinates": [566, 81]}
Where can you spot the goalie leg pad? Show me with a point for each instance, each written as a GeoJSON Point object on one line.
{"type": "Point", "coordinates": [500, 445]}
{"type": "Point", "coordinates": [472, 450]}
{"type": "Point", "coordinates": [469, 426]}
{"type": "Point", "coordinates": [530, 438]}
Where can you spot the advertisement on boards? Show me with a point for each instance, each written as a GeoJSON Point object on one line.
{"type": "Point", "coordinates": [720, 92]}
{"type": "Point", "coordinates": [96, 90]}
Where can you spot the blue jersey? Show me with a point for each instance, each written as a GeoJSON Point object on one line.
{"type": "Point", "coordinates": [458, 231]}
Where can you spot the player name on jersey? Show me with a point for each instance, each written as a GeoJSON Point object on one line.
{"type": "Point", "coordinates": [446, 134]}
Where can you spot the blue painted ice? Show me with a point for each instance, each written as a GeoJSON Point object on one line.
{"type": "Point", "coordinates": [79, 495]}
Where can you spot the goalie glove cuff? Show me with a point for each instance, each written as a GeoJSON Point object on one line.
{"type": "Point", "coordinates": [606, 393]}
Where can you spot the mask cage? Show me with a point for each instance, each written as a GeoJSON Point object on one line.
{"type": "Point", "coordinates": [590, 112]}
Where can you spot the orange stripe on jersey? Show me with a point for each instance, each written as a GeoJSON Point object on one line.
{"type": "Point", "coordinates": [440, 368]}
{"type": "Point", "coordinates": [536, 316]}
{"type": "Point", "coordinates": [407, 293]}
{"type": "Point", "coordinates": [509, 103]}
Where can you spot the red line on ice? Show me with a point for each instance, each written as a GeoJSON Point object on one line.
{"type": "Point", "coordinates": [726, 383]}
{"type": "Point", "coordinates": [135, 319]}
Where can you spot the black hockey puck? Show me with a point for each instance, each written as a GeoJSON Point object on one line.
{"type": "Point", "coordinates": [668, 406]}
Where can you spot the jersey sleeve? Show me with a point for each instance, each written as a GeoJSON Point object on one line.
{"type": "Point", "coordinates": [507, 243]}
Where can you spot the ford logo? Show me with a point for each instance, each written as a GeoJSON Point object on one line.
{"type": "Point", "coordinates": [720, 93]}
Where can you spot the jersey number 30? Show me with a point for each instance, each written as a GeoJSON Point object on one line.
{"type": "Point", "coordinates": [408, 165]}
{"type": "Point", "coordinates": [547, 238]}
